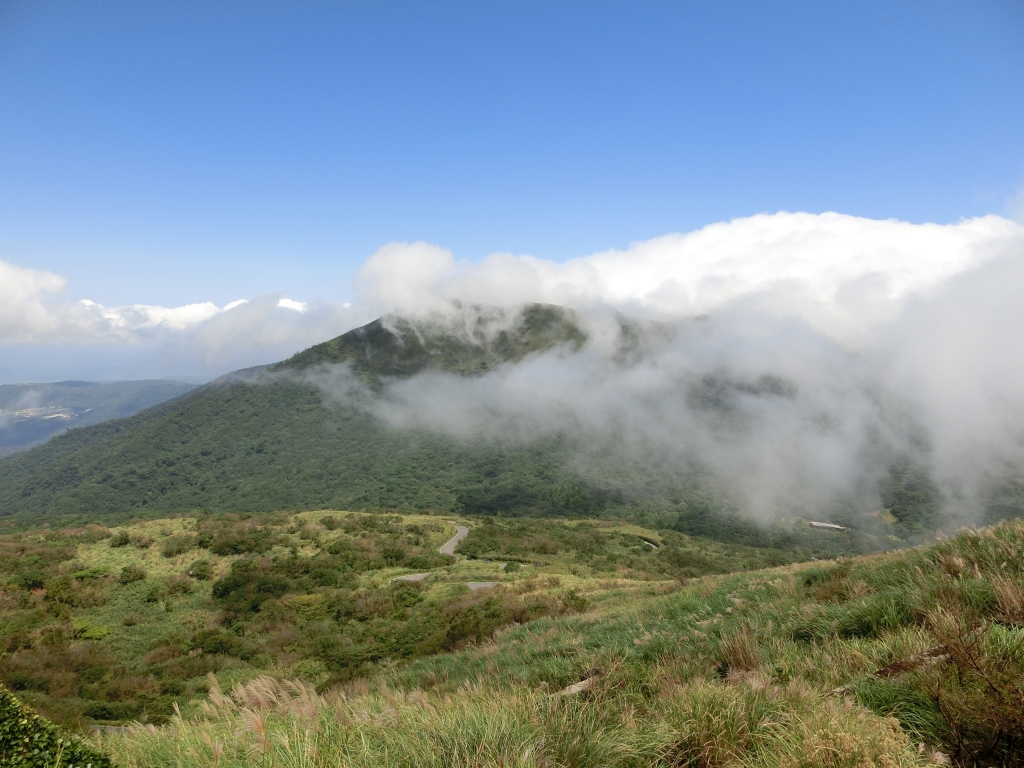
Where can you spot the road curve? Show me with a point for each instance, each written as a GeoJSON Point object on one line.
{"type": "Point", "coordinates": [461, 533]}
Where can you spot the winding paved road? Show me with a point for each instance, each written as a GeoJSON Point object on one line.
{"type": "Point", "coordinates": [461, 532]}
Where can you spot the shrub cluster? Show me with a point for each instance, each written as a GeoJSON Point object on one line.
{"type": "Point", "coordinates": [28, 740]}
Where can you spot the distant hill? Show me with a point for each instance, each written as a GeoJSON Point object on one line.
{"type": "Point", "coordinates": [234, 445]}
{"type": "Point", "coordinates": [32, 413]}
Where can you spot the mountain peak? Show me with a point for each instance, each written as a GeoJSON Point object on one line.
{"type": "Point", "coordinates": [469, 339]}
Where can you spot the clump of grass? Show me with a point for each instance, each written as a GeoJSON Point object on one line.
{"type": "Point", "coordinates": [740, 652]}
{"type": "Point", "coordinates": [701, 722]}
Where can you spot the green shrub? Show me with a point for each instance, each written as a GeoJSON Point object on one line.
{"type": "Point", "coordinates": [87, 630]}
{"type": "Point", "coordinates": [30, 741]}
{"type": "Point", "coordinates": [32, 580]}
{"type": "Point", "coordinates": [177, 545]}
{"type": "Point", "coordinates": [179, 585]}
{"type": "Point", "coordinates": [220, 643]}
{"type": "Point", "coordinates": [120, 539]}
{"type": "Point", "coordinates": [132, 573]}
{"type": "Point", "coordinates": [574, 601]}
{"type": "Point", "coordinates": [427, 561]}
{"type": "Point", "coordinates": [201, 570]}
{"type": "Point", "coordinates": [242, 542]}
{"type": "Point", "coordinates": [156, 593]}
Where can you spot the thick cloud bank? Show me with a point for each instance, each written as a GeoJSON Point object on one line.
{"type": "Point", "coordinates": [844, 275]}
{"type": "Point", "coordinates": [786, 419]}
{"type": "Point", "coordinates": [828, 348]}
{"type": "Point", "coordinates": [847, 277]}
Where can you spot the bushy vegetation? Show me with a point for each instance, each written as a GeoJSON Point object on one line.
{"type": "Point", "coordinates": [608, 547]}
{"type": "Point", "coordinates": [903, 659]}
{"type": "Point", "coordinates": [109, 625]}
{"type": "Point", "coordinates": [30, 741]}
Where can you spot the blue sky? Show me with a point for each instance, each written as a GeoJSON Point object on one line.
{"type": "Point", "coordinates": [179, 152]}
{"type": "Point", "coordinates": [175, 152]}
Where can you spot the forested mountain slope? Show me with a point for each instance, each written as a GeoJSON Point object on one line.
{"type": "Point", "coordinates": [236, 444]}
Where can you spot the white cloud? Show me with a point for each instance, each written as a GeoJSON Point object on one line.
{"type": "Point", "coordinates": [144, 316]}
{"type": "Point", "coordinates": [34, 309]}
{"type": "Point", "coordinates": [896, 337]}
{"type": "Point", "coordinates": [847, 277]}
{"type": "Point", "coordinates": [28, 299]}
{"type": "Point", "coordinates": [295, 306]}
{"type": "Point", "coordinates": [843, 274]}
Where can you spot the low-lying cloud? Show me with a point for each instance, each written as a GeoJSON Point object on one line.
{"type": "Point", "coordinates": [45, 334]}
{"type": "Point", "coordinates": [831, 347]}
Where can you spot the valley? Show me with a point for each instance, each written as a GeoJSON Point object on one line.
{"type": "Point", "coordinates": [32, 413]}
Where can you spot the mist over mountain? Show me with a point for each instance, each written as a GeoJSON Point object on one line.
{"type": "Point", "coordinates": [778, 366]}
{"type": "Point", "coordinates": [540, 409]}
{"type": "Point", "coordinates": [778, 400]}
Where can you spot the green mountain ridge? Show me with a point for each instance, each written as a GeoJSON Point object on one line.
{"type": "Point", "coordinates": [258, 440]}
{"type": "Point", "coordinates": [476, 339]}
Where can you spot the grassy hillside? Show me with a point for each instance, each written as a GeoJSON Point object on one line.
{"type": "Point", "coordinates": [31, 413]}
{"type": "Point", "coordinates": [107, 625]}
{"type": "Point", "coordinates": [903, 659]}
